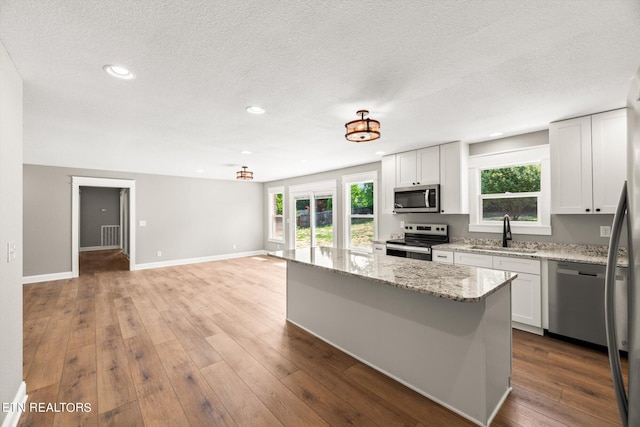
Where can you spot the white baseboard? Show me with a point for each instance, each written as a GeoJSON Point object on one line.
{"type": "Point", "coordinates": [175, 262]}
{"type": "Point", "coordinates": [171, 263]}
{"type": "Point", "coordinates": [47, 277]}
{"type": "Point", "coordinates": [98, 248]}
{"type": "Point", "coordinates": [13, 415]}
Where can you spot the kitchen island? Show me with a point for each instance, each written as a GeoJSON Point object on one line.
{"type": "Point", "coordinates": [442, 330]}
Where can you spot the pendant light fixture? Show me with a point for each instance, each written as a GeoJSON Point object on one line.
{"type": "Point", "coordinates": [244, 174]}
{"type": "Point", "coordinates": [363, 129]}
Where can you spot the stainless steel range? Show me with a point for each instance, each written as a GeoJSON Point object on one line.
{"type": "Point", "coordinates": [418, 239]}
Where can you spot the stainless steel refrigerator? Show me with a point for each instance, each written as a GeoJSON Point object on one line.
{"type": "Point", "coordinates": [629, 206]}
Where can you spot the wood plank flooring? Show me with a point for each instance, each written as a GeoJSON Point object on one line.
{"type": "Point", "coordinates": [208, 345]}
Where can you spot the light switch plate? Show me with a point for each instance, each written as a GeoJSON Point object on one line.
{"type": "Point", "coordinates": [605, 231]}
{"type": "Point", "coordinates": [142, 223]}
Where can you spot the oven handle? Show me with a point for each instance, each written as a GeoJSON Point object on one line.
{"type": "Point", "coordinates": [409, 248]}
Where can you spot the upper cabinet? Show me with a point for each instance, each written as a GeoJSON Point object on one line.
{"type": "Point", "coordinates": [419, 167]}
{"type": "Point", "coordinates": [588, 163]}
{"type": "Point", "coordinates": [444, 164]}
{"type": "Point", "coordinates": [454, 178]}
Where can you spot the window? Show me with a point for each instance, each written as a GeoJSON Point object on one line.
{"type": "Point", "coordinates": [360, 215]}
{"type": "Point", "coordinates": [511, 190]}
{"type": "Point", "coordinates": [515, 183]}
{"type": "Point", "coordinates": [276, 214]}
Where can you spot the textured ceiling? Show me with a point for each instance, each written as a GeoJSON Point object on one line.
{"type": "Point", "coordinates": [430, 71]}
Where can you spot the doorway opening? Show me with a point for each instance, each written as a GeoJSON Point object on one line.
{"type": "Point", "coordinates": [109, 246]}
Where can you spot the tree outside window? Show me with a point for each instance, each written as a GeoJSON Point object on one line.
{"type": "Point", "coordinates": [513, 190]}
{"type": "Point", "coordinates": [361, 224]}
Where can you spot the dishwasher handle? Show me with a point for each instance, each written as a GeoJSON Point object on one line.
{"type": "Point", "coordinates": [572, 272]}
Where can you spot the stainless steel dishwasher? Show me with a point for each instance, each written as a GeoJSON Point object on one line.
{"type": "Point", "coordinates": [576, 302]}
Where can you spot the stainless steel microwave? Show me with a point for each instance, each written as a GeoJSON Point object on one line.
{"type": "Point", "coordinates": [418, 198]}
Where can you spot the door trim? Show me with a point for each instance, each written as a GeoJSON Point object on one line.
{"type": "Point", "coordinates": [76, 183]}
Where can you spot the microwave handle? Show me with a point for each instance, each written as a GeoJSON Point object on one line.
{"type": "Point", "coordinates": [426, 198]}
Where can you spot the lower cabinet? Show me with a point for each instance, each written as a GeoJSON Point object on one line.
{"type": "Point", "coordinates": [526, 289]}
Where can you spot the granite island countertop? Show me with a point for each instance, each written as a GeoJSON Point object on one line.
{"type": "Point", "coordinates": [587, 254]}
{"type": "Point", "coordinates": [457, 283]}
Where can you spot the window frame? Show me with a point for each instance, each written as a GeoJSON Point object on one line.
{"type": "Point", "coordinates": [347, 182]}
{"type": "Point", "coordinates": [272, 191]}
{"type": "Point", "coordinates": [526, 156]}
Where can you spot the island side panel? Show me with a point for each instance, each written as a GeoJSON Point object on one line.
{"type": "Point", "coordinates": [434, 345]}
{"type": "Point", "coordinates": [499, 349]}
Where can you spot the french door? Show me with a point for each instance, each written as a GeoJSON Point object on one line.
{"type": "Point", "coordinates": [314, 214]}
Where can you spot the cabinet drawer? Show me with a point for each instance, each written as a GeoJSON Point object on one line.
{"type": "Point", "coordinates": [379, 249]}
{"type": "Point", "coordinates": [518, 265]}
{"type": "Point", "coordinates": [475, 260]}
{"type": "Point", "coordinates": [445, 257]}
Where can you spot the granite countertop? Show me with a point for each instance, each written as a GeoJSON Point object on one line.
{"type": "Point", "coordinates": [588, 254]}
{"type": "Point", "coordinates": [458, 283]}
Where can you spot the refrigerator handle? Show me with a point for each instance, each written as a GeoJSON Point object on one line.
{"type": "Point", "coordinates": [609, 307]}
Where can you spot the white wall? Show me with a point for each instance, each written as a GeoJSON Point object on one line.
{"type": "Point", "coordinates": [10, 229]}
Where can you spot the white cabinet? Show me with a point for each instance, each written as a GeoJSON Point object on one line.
{"type": "Point", "coordinates": [526, 289]}
{"type": "Point", "coordinates": [588, 163]}
{"type": "Point", "coordinates": [454, 182]}
{"type": "Point", "coordinates": [388, 172]}
{"type": "Point", "coordinates": [419, 167]}
{"type": "Point", "coordinates": [445, 257]}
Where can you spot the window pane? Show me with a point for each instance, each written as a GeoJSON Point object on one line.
{"type": "Point", "coordinates": [518, 208]}
{"type": "Point", "coordinates": [324, 222]}
{"type": "Point", "coordinates": [277, 227]}
{"type": "Point", "coordinates": [515, 179]}
{"type": "Point", "coordinates": [362, 233]}
{"type": "Point", "coordinates": [362, 198]}
{"type": "Point", "coordinates": [303, 226]}
{"type": "Point", "coordinates": [277, 204]}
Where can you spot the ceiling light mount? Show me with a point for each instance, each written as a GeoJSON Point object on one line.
{"type": "Point", "coordinates": [118, 72]}
{"type": "Point", "coordinates": [244, 174]}
{"type": "Point", "coordinates": [363, 129]}
{"type": "Point", "coordinates": [255, 109]}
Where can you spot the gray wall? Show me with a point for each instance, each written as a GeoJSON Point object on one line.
{"type": "Point", "coordinates": [10, 229]}
{"type": "Point", "coordinates": [580, 229]}
{"type": "Point", "coordinates": [98, 206]}
{"type": "Point", "coordinates": [324, 176]}
{"type": "Point", "coordinates": [185, 217]}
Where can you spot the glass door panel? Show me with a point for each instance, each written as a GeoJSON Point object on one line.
{"type": "Point", "coordinates": [323, 225]}
{"type": "Point", "coordinates": [303, 223]}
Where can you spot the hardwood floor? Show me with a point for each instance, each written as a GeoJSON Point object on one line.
{"type": "Point", "coordinates": [207, 345]}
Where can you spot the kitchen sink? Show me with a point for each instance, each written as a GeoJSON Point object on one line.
{"type": "Point", "coordinates": [516, 250]}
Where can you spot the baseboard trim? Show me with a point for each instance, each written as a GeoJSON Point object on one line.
{"type": "Point", "coordinates": [16, 407]}
{"type": "Point", "coordinates": [176, 262]}
{"type": "Point", "coordinates": [47, 277]}
{"type": "Point", "coordinates": [97, 248]}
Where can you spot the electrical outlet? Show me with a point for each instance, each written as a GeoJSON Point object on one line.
{"type": "Point", "coordinates": [605, 231]}
{"type": "Point", "coordinates": [159, 253]}
{"type": "Point", "coordinates": [12, 249]}
{"type": "Point", "coordinates": [142, 223]}
{"type": "Point", "coordinates": [402, 224]}
{"type": "Point", "coordinates": [234, 246]}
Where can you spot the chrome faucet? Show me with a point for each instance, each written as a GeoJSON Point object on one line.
{"type": "Point", "coordinates": [506, 230]}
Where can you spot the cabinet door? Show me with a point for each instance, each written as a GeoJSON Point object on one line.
{"type": "Point", "coordinates": [570, 146]}
{"type": "Point", "coordinates": [406, 169]}
{"type": "Point", "coordinates": [526, 304]}
{"type": "Point", "coordinates": [454, 182]}
{"type": "Point", "coordinates": [609, 148]}
{"type": "Point", "coordinates": [388, 172]}
{"type": "Point", "coordinates": [428, 165]}
{"type": "Point", "coordinates": [475, 260]}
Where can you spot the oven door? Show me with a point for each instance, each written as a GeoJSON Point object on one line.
{"type": "Point", "coordinates": [414, 252]}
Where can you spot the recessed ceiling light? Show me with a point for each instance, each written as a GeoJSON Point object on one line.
{"type": "Point", "coordinates": [200, 171]}
{"type": "Point", "coordinates": [245, 152]}
{"type": "Point", "coordinates": [495, 134]}
{"type": "Point", "coordinates": [254, 109]}
{"type": "Point", "coordinates": [380, 153]}
{"type": "Point", "coordinates": [304, 161]}
{"type": "Point", "coordinates": [119, 72]}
